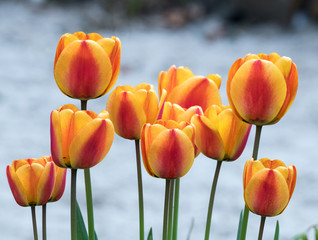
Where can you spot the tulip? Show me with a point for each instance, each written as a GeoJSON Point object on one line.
{"type": "Point", "coordinates": [79, 139]}
{"type": "Point", "coordinates": [167, 149]}
{"type": "Point", "coordinates": [86, 66]}
{"type": "Point", "coordinates": [131, 107]}
{"type": "Point", "coordinates": [261, 88]}
{"type": "Point", "coordinates": [268, 186]}
{"type": "Point", "coordinates": [196, 91]}
{"type": "Point", "coordinates": [31, 180]}
{"type": "Point", "coordinates": [59, 183]}
{"type": "Point", "coordinates": [219, 134]}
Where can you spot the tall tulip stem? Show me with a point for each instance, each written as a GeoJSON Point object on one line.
{"type": "Point", "coordinates": [261, 228]}
{"type": "Point", "coordinates": [170, 214]}
{"type": "Point", "coordinates": [209, 216]}
{"type": "Point", "coordinates": [44, 222]}
{"type": "Point", "coordinates": [140, 191]}
{"type": "Point", "coordinates": [255, 155]}
{"type": "Point", "coordinates": [176, 209]}
{"type": "Point", "coordinates": [256, 141]}
{"type": "Point", "coordinates": [89, 203]}
{"type": "Point", "coordinates": [166, 211]}
{"type": "Point", "coordinates": [73, 205]}
{"type": "Point", "coordinates": [35, 231]}
{"type": "Point", "coordinates": [83, 104]}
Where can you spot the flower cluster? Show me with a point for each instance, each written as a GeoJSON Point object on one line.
{"type": "Point", "coordinates": [173, 127]}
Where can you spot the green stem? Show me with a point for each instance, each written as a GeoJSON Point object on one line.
{"type": "Point", "coordinates": [44, 222]}
{"type": "Point", "coordinates": [73, 205]}
{"type": "Point", "coordinates": [140, 192]}
{"type": "Point", "coordinates": [89, 203]}
{"type": "Point", "coordinates": [176, 210]}
{"type": "Point", "coordinates": [256, 141]}
{"type": "Point", "coordinates": [261, 228]}
{"type": "Point", "coordinates": [165, 212]}
{"type": "Point", "coordinates": [254, 156]}
{"type": "Point", "coordinates": [209, 216]}
{"type": "Point", "coordinates": [83, 104]}
{"type": "Point", "coordinates": [170, 208]}
{"type": "Point", "coordinates": [35, 231]}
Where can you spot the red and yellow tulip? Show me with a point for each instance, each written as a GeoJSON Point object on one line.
{"type": "Point", "coordinates": [167, 148]}
{"type": "Point", "coordinates": [219, 134]}
{"type": "Point", "coordinates": [131, 107]}
{"type": "Point", "coordinates": [86, 66]}
{"type": "Point", "coordinates": [268, 186]}
{"type": "Point", "coordinates": [59, 183]}
{"type": "Point", "coordinates": [31, 180]}
{"type": "Point", "coordinates": [80, 139]}
{"type": "Point", "coordinates": [261, 88]}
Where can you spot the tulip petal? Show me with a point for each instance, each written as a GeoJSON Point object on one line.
{"type": "Point", "coordinates": [267, 193]}
{"type": "Point", "coordinates": [16, 187]}
{"type": "Point", "coordinates": [196, 91]}
{"type": "Point", "coordinates": [207, 138]}
{"type": "Point", "coordinates": [251, 168]}
{"type": "Point", "coordinates": [45, 184]}
{"type": "Point", "coordinates": [91, 143]}
{"type": "Point", "coordinates": [258, 90]}
{"type": "Point", "coordinates": [83, 69]}
{"type": "Point", "coordinates": [171, 154]}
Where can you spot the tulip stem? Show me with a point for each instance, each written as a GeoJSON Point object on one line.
{"type": "Point", "coordinates": [35, 231]}
{"type": "Point", "coordinates": [176, 209]}
{"type": "Point", "coordinates": [261, 228]}
{"type": "Point", "coordinates": [170, 221]}
{"type": "Point", "coordinates": [44, 222]}
{"type": "Point", "coordinates": [83, 104]}
{"type": "Point", "coordinates": [140, 192]}
{"type": "Point", "coordinates": [165, 212]}
{"type": "Point", "coordinates": [209, 216]}
{"type": "Point", "coordinates": [73, 205]}
{"type": "Point", "coordinates": [256, 142]}
{"type": "Point", "coordinates": [89, 203]}
{"type": "Point", "coordinates": [254, 156]}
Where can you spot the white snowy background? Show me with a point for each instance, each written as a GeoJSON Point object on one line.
{"type": "Point", "coordinates": [28, 94]}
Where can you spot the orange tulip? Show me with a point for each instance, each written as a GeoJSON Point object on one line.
{"type": "Point", "coordinates": [219, 134]}
{"type": "Point", "coordinates": [31, 180]}
{"type": "Point", "coordinates": [79, 139]}
{"type": "Point", "coordinates": [131, 107]}
{"type": "Point", "coordinates": [261, 88]}
{"type": "Point", "coordinates": [59, 183]}
{"type": "Point", "coordinates": [86, 66]}
{"type": "Point", "coordinates": [167, 149]}
{"type": "Point", "coordinates": [268, 186]}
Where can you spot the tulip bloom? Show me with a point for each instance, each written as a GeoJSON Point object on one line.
{"type": "Point", "coordinates": [219, 134]}
{"type": "Point", "coordinates": [31, 180]}
{"type": "Point", "coordinates": [261, 88]}
{"type": "Point", "coordinates": [268, 186]}
{"type": "Point", "coordinates": [131, 107]}
{"type": "Point", "coordinates": [59, 183]}
{"type": "Point", "coordinates": [79, 139]}
{"type": "Point", "coordinates": [167, 149]}
{"type": "Point", "coordinates": [86, 66]}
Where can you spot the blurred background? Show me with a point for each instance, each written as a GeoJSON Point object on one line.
{"type": "Point", "coordinates": [205, 35]}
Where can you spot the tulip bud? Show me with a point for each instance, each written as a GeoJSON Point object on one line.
{"type": "Point", "coordinates": [31, 180]}
{"type": "Point", "coordinates": [131, 107]}
{"type": "Point", "coordinates": [80, 139]}
{"type": "Point", "coordinates": [167, 149]}
{"type": "Point", "coordinates": [268, 186]}
{"type": "Point", "coordinates": [86, 66]}
{"type": "Point", "coordinates": [219, 134]}
{"type": "Point", "coordinates": [261, 88]}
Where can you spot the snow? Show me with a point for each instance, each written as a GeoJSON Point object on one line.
{"type": "Point", "coordinates": [30, 33]}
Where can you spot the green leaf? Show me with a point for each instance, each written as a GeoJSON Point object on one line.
{"type": "Point", "coordinates": [150, 235]}
{"type": "Point", "coordinates": [316, 232]}
{"type": "Point", "coordinates": [239, 230]}
{"type": "Point", "coordinates": [301, 236]}
{"type": "Point", "coordinates": [81, 229]}
{"type": "Point", "coordinates": [276, 237]}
